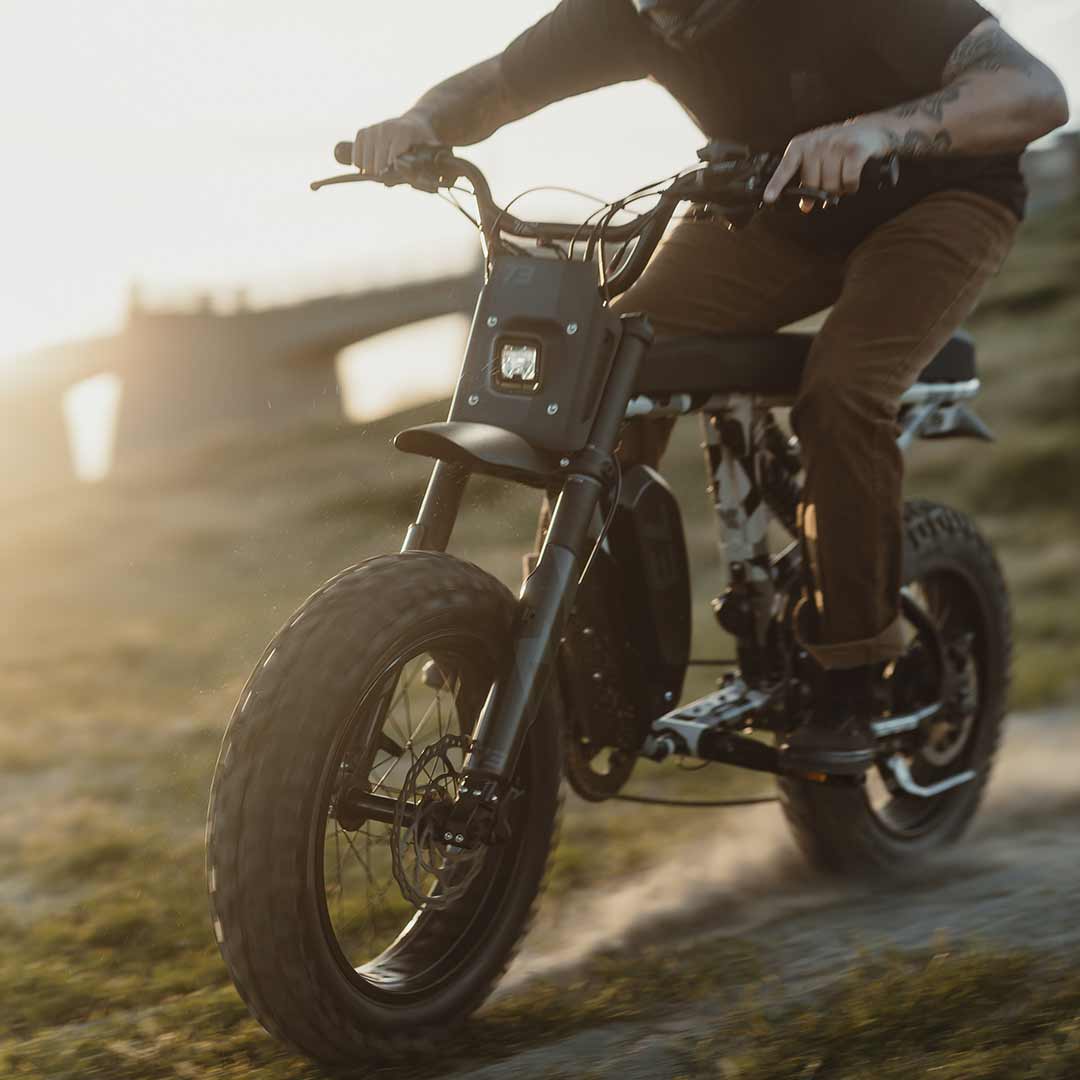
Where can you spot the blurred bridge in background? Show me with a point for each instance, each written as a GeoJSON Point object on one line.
{"type": "Point", "coordinates": [189, 375]}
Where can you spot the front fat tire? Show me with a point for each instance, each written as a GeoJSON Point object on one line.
{"type": "Point", "coordinates": [835, 827]}
{"type": "Point", "coordinates": [266, 791]}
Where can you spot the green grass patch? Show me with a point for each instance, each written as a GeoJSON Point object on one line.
{"type": "Point", "coordinates": [1036, 470]}
{"type": "Point", "coordinates": [208, 1031]}
{"type": "Point", "coordinates": [979, 1015]}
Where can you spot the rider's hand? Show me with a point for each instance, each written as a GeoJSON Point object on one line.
{"type": "Point", "coordinates": [829, 158]}
{"type": "Point", "coordinates": [376, 148]}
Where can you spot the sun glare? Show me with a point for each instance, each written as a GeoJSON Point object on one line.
{"type": "Point", "coordinates": [401, 368]}
{"type": "Point", "coordinates": [90, 409]}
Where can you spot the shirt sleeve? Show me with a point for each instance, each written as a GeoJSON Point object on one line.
{"type": "Point", "coordinates": [916, 37]}
{"type": "Point", "coordinates": [580, 46]}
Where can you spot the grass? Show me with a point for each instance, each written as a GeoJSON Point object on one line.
{"type": "Point", "coordinates": [140, 605]}
{"type": "Point", "coordinates": [967, 1015]}
{"type": "Point", "coordinates": [196, 1028]}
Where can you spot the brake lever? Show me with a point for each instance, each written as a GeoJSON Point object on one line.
{"type": "Point", "coordinates": [345, 178]}
{"type": "Point", "coordinates": [387, 179]}
{"type": "Point", "coordinates": [412, 168]}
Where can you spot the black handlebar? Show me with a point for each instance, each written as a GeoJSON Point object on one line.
{"type": "Point", "coordinates": [732, 182]}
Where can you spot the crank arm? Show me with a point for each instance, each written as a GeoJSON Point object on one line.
{"type": "Point", "coordinates": [687, 725]}
{"type": "Point", "coordinates": [708, 743]}
{"type": "Point", "coordinates": [727, 748]}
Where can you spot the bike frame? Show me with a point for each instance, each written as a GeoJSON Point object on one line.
{"type": "Point", "coordinates": [735, 427]}
{"type": "Point", "coordinates": [569, 448]}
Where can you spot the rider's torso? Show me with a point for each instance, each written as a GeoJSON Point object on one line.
{"type": "Point", "coordinates": [785, 67]}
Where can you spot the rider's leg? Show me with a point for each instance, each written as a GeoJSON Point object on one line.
{"type": "Point", "coordinates": [907, 288]}
{"type": "Point", "coordinates": [708, 279]}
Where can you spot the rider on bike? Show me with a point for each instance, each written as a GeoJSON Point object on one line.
{"type": "Point", "coordinates": [837, 82]}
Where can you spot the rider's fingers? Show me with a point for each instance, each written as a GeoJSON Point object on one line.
{"type": "Point", "coordinates": [358, 150]}
{"type": "Point", "coordinates": [786, 171]}
{"type": "Point", "coordinates": [400, 144]}
{"type": "Point", "coordinates": [852, 172]}
{"type": "Point", "coordinates": [383, 151]}
{"type": "Point", "coordinates": [369, 142]}
{"type": "Point", "coordinates": [832, 165]}
{"type": "Point", "coordinates": [811, 171]}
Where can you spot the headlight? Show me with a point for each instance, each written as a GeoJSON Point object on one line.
{"type": "Point", "coordinates": [518, 367]}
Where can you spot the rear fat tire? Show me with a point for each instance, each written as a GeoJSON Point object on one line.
{"type": "Point", "coordinates": [835, 828]}
{"type": "Point", "coordinates": [266, 791]}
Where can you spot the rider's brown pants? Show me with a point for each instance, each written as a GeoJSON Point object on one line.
{"type": "Point", "coordinates": [896, 299]}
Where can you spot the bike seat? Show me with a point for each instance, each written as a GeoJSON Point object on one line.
{"type": "Point", "coordinates": [770, 364]}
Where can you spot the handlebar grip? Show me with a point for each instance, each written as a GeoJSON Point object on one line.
{"type": "Point", "coordinates": [883, 172]}
{"type": "Point", "coordinates": [343, 153]}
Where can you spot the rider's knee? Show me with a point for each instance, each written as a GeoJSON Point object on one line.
{"type": "Point", "coordinates": [832, 403]}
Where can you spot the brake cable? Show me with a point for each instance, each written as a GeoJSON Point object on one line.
{"type": "Point", "coordinates": [608, 519]}
{"type": "Point", "coordinates": [505, 210]}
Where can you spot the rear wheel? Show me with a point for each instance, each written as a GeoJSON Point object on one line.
{"type": "Point", "coordinates": [953, 577]}
{"type": "Point", "coordinates": [371, 690]}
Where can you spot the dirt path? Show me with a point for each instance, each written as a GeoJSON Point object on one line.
{"type": "Point", "coordinates": [1012, 881]}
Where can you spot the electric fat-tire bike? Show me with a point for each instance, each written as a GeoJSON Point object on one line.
{"type": "Point", "coordinates": [386, 798]}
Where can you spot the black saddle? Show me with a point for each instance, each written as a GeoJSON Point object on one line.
{"type": "Point", "coordinates": [771, 364]}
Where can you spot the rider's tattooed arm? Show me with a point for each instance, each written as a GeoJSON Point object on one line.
{"type": "Point", "coordinates": [995, 97]}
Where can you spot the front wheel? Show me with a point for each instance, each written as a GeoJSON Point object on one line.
{"type": "Point", "coordinates": [952, 575]}
{"type": "Point", "coordinates": [371, 689]}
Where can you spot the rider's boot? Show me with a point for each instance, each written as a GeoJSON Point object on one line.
{"type": "Point", "coordinates": [837, 739]}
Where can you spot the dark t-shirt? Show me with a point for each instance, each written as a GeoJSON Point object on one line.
{"type": "Point", "coordinates": [782, 68]}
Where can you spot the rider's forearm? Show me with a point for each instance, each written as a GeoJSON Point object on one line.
{"type": "Point", "coordinates": [470, 106]}
{"type": "Point", "coordinates": [995, 98]}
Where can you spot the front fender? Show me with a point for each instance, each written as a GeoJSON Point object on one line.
{"type": "Point", "coordinates": [482, 448]}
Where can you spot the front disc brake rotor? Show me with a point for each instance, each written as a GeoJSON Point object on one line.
{"type": "Point", "coordinates": [431, 870]}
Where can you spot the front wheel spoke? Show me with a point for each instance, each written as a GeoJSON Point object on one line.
{"type": "Point", "coordinates": [402, 696]}
{"type": "Point", "coordinates": [423, 721]}
{"type": "Point", "coordinates": [379, 783]}
{"type": "Point", "coordinates": [380, 893]}
{"type": "Point", "coordinates": [406, 701]}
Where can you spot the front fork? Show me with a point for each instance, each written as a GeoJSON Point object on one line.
{"type": "Point", "coordinates": [546, 598]}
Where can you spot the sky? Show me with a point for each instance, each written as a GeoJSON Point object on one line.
{"type": "Point", "coordinates": [169, 143]}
